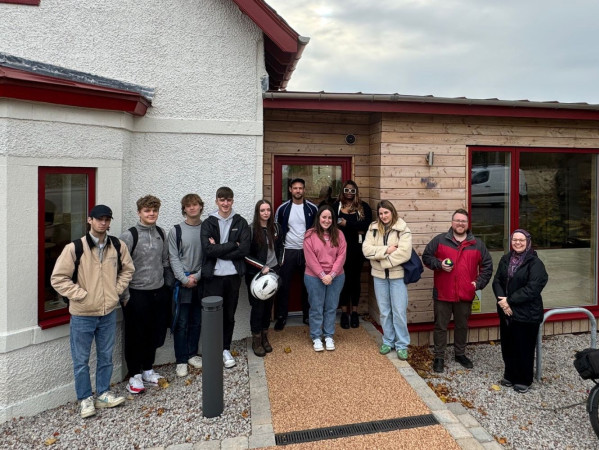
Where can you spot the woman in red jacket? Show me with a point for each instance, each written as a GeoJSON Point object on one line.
{"type": "Point", "coordinates": [324, 250]}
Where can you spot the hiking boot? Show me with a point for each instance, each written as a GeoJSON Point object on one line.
{"type": "Point", "coordinates": [108, 400]}
{"type": "Point", "coordinates": [385, 349]}
{"type": "Point", "coordinates": [136, 384]}
{"type": "Point", "coordinates": [181, 370]}
{"type": "Point", "coordinates": [318, 345]}
{"type": "Point", "coordinates": [306, 320]}
{"type": "Point", "coordinates": [521, 388]}
{"type": "Point", "coordinates": [329, 343]}
{"type": "Point", "coordinates": [355, 320]}
{"type": "Point", "coordinates": [464, 361]}
{"type": "Point", "coordinates": [265, 343]}
{"type": "Point", "coordinates": [150, 377]}
{"type": "Point", "coordinates": [257, 345]}
{"type": "Point", "coordinates": [505, 382]}
{"type": "Point", "coordinates": [280, 323]}
{"type": "Point", "coordinates": [402, 354]}
{"type": "Point", "coordinates": [228, 360]}
{"type": "Point", "coordinates": [344, 320]}
{"type": "Point", "coordinates": [438, 364]}
{"type": "Point", "coordinates": [87, 408]}
{"type": "Point", "coordinates": [195, 362]}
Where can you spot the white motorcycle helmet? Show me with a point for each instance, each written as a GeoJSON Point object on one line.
{"type": "Point", "coordinates": [264, 285]}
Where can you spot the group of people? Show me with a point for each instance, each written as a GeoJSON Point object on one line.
{"type": "Point", "coordinates": [161, 278]}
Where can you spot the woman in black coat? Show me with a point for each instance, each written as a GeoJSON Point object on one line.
{"type": "Point", "coordinates": [520, 278]}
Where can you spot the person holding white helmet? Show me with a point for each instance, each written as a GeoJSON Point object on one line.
{"type": "Point", "coordinates": [266, 254]}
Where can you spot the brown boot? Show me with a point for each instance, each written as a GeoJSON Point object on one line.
{"type": "Point", "coordinates": [265, 343]}
{"type": "Point", "coordinates": [257, 345]}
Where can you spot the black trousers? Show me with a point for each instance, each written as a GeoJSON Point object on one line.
{"type": "Point", "coordinates": [352, 288]}
{"type": "Point", "coordinates": [147, 317]}
{"type": "Point", "coordinates": [294, 263]}
{"type": "Point", "coordinates": [518, 344]}
{"type": "Point", "coordinates": [226, 287]}
{"type": "Point", "coordinates": [261, 309]}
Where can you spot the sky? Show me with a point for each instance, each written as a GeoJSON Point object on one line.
{"type": "Point", "coordinates": [540, 50]}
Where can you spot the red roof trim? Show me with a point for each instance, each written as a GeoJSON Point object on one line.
{"type": "Point", "coordinates": [22, 2]}
{"type": "Point", "coordinates": [270, 23]}
{"type": "Point", "coordinates": [431, 108]}
{"type": "Point", "coordinates": [22, 85]}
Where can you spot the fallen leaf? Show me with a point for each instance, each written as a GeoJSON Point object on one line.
{"type": "Point", "coordinates": [163, 383]}
{"type": "Point", "coordinates": [50, 441]}
{"type": "Point", "coordinates": [160, 411]}
{"type": "Point", "coordinates": [491, 342]}
{"type": "Point", "coordinates": [77, 430]}
{"type": "Point", "coordinates": [245, 414]}
{"type": "Point", "coordinates": [56, 433]}
{"type": "Point", "coordinates": [188, 382]}
{"type": "Point", "coordinates": [287, 350]}
{"type": "Point", "coordinates": [495, 387]}
{"type": "Point", "coordinates": [466, 403]}
{"type": "Point", "coordinates": [234, 353]}
{"type": "Point", "coordinates": [524, 427]}
{"type": "Point", "coordinates": [501, 440]}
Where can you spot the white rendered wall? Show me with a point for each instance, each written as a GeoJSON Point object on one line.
{"type": "Point", "coordinates": [204, 130]}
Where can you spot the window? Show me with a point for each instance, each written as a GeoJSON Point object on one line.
{"type": "Point", "coordinates": [552, 193]}
{"type": "Point", "coordinates": [65, 197]}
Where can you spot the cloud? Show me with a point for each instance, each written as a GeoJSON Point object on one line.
{"type": "Point", "coordinates": [538, 50]}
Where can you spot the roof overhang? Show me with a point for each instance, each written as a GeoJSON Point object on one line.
{"type": "Point", "coordinates": [62, 87]}
{"type": "Point", "coordinates": [283, 46]}
{"type": "Point", "coordinates": [410, 104]}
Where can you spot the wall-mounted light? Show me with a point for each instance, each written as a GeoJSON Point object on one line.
{"type": "Point", "coordinates": [350, 139]}
{"type": "Point", "coordinates": [430, 157]}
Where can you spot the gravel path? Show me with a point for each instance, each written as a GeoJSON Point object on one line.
{"type": "Point", "coordinates": [158, 417]}
{"type": "Point", "coordinates": [539, 419]}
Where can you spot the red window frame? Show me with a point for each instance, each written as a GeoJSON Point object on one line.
{"type": "Point", "coordinates": [22, 2]}
{"type": "Point", "coordinates": [492, 319]}
{"type": "Point", "coordinates": [279, 161]}
{"type": "Point", "coordinates": [47, 319]}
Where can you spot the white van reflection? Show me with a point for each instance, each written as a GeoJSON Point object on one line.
{"type": "Point", "coordinates": [490, 185]}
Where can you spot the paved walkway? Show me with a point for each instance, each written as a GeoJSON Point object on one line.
{"type": "Point", "coordinates": [464, 428]}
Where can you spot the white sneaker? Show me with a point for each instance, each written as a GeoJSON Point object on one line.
{"type": "Point", "coordinates": [87, 407]}
{"type": "Point", "coordinates": [329, 343]}
{"type": "Point", "coordinates": [228, 360]}
{"type": "Point", "coordinates": [150, 377]}
{"type": "Point", "coordinates": [108, 400]}
{"type": "Point", "coordinates": [181, 370]}
{"type": "Point", "coordinates": [136, 384]}
{"type": "Point", "coordinates": [195, 362]}
{"type": "Point", "coordinates": [318, 345]}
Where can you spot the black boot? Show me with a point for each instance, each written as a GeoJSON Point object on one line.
{"type": "Point", "coordinates": [344, 322]}
{"type": "Point", "coordinates": [355, 320]}
{"type": "Point", "coordinates": [265, 343]}
{"type": "Point", "coordinates": [257, 345]}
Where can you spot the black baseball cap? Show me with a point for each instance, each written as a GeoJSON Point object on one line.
{"type": "Point", "coordinates": [100, 211]}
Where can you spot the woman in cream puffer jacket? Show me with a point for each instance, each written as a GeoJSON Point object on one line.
{"type": "Point", "coordinates": [387, 246]}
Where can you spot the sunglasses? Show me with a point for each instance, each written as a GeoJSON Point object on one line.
{"type": "Point", "coordinates": [349, 191]}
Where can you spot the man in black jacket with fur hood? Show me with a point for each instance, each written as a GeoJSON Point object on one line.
{"type": "Point", "coordinates": [225, 242]}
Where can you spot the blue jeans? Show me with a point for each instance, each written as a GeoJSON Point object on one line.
{"type": "Point", "coordinates": [392, 300]}
{"type": "Point", "coordinates": [83, 331]}
{"type": "Point", "coordinates": [323, 304]}
{"type": "Point", "coordinates": [187, 329]}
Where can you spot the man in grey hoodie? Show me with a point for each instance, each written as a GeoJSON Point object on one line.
{"type": "Point", "coordinates": [225, 242]}
{"type": "Point", "coordinates": [146, 303]}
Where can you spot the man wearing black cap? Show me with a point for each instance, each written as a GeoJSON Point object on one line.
{"type": "Point", "coordinates": [90, 275]}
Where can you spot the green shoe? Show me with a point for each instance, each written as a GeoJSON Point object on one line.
{"type": "Point", "coordinates": [384, 349]}
{"type": "Point", "coordinates": [402, 354]}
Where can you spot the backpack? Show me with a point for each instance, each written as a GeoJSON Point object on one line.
{"type": "Point", "coordinates": [586, 363]}
{"type": "Point", "coordinates": [79, 252]}
{"type": "Point", "coordinates": [169, 276]}
{"type": "Point", "coordinates": [412, 268]}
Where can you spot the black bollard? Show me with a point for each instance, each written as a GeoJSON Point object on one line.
{"type": "Point", "coordinates": [212, 356]}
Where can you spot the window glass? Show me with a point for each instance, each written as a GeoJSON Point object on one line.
{"type": "Point", "coordinates": [322, 181]}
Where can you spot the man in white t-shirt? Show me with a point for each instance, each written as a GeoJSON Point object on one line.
{"type": "Point", "coordinates": [295, 216]}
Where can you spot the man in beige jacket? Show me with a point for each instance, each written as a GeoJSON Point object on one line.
{"type": "Point", "coordinates": [92, 280]}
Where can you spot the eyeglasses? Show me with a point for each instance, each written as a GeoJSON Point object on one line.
{"type": "Point", "coordinates": [460, 221]}
{"type": "Point", "coordinates": [349, 191]}
{"type": "Point", "coordinates": [521, 241]}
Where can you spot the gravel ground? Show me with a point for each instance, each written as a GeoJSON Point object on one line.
{"type": "Point", "coordinates": [158, 417]}
{"type": "Point", "coordinates": [540, 419]}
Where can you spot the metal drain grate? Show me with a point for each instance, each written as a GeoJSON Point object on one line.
{"type": "Point", "coordinates": [377, 426]}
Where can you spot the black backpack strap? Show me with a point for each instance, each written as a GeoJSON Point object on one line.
{"type": "Point", "coordinates": [117, 246]}
{"type": "Point", "coordinates": [78, 252]}
{"type": "Point", "coordinates": [135, 236]}
{"type": "Point", "coordinates": [160, 232]}
{"type": "Point", "coordinates": [178, 233]}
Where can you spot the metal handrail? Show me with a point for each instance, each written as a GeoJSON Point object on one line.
{"type": "Point", "coordinates": [553, 312]}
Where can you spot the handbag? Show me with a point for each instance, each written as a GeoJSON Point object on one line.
{"type": "Point", "coordinates": [412, 269]}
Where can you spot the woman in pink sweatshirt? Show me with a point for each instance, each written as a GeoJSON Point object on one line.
{"type": "Point", "coordinates": [324, 250]}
